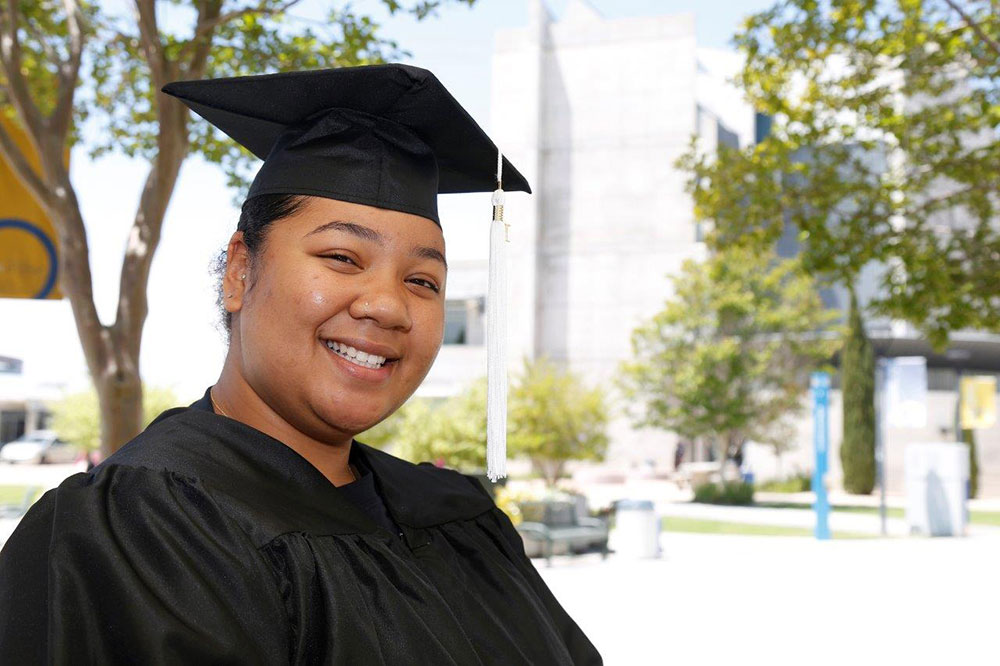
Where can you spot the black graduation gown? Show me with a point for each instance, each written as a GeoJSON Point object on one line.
{"type": "Point", "coordinates": [206, 541]}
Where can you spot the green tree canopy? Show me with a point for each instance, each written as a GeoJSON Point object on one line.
{"type": "Point", "coordinates": [552, 418]}
{"type": "Point", "coordinates": [728, 358]}
{"type": "Point", "coordinates": [883, 148]}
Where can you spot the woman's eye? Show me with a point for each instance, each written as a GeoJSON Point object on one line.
{"type": "Point", "coordinates": [426, 283]}
{"type": "Point", "coordinates": [340, 257]}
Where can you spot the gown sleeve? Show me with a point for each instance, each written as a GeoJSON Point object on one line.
{"type": "Point", "coordinates": [579, 646]}
{"type": "Point", "coordinates": [131, 565]}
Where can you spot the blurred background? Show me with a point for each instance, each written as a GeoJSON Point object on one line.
{"type": "Point", "coordinates": [755, 305]}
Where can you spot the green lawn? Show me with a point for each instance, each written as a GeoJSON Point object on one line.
{"type": "Point", "coordinates": [12, 494]}
{"type": "Point", "coordinates": [984, 517]}
{"type": "Point", "coordinates": [892, 512]}
{"type": "Point", "coordinates": [700, 526]}
{"type": "Point", "coordinates": [975, 517]}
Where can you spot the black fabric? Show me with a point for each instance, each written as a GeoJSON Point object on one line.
{"type": "Point", "coordinates": [361, 492]}
{"type": "Point", "coordinates": [206, 541]}
{"type": "Point", "coordinates": [389, 136]}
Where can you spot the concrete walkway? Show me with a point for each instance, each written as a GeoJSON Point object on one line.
{"type": "Point", "coordinates": [716, 599]}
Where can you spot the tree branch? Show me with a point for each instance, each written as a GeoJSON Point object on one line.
{"type": "Point", "coordinates": [194, 68]}
{"type": "Point", "coordinates": [69, 72]}
{"type": "Point", "coordinates": [976, 28]}
{"type": "Point", "coordinates": [149, 38]}
{"type": "Point", "coordinates": [17, 86]}
{"type": "Point", "coordinates": [207, 25]}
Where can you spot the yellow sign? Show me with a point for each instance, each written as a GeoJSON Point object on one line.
{"type": "Point", "coordinates": [29, 260]}
{"type": "Point", "coordinates": [979, 402]}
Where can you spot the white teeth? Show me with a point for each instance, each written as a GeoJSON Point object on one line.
{"type": "Point", "coordinates": [361, 358]}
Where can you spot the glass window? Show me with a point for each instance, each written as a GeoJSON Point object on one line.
{"type": "Point", "coordinates": [456, 325]}
{"type": "Point", "coordinates": [463, 322]}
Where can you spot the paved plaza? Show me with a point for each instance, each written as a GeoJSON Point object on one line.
{"type": "Point", "coordinates": [714, 599]}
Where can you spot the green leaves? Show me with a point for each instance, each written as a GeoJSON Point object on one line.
{"type": "Point", "coordinates": [552, 418]}
{"type": "Point", "coordinates": [884, 150]}
{"type": "Point", "coordinates": [259, 37]}
{"type": "Point", "coordinates": [728, 357]}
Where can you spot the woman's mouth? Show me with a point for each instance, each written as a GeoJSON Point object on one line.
{"type": "Point", "coordinates": [355, 356]}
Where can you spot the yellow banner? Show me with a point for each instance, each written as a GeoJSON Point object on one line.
{"type": "Point", "coordinates": [28, 252]}
{"type": "Point", "coordinates": [979, 402]}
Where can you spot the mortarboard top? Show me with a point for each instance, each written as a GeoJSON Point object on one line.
{"type": "Point", "coordinates": [389, 136]}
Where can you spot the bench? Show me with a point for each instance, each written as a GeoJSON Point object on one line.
{"type": "Point", "coordinates": [556, 528]}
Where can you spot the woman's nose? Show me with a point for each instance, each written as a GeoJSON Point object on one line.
{"type": "Point", "coordinates": [383, 303]}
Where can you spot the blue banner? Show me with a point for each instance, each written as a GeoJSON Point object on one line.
{"type": "Point", "coordinates": [820, 385]}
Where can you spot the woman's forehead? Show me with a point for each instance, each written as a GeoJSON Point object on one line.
{"type": "Point", "coordinates": [321, 215]}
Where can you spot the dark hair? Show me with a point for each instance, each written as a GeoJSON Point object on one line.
{"type": "Point", "coordinates": [257, 214]}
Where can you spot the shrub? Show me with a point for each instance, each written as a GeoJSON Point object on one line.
{"type": "Point", "coordinates": [736, 493]}
{"type": "Point", "coordinates": [800, 483]}
{"type": "Point", "coordinates": [857, 377]}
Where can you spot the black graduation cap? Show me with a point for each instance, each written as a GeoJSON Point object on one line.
{"type": "Point", "coordinates": [389, 136]}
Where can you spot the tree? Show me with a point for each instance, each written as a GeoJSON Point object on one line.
{"type": "Point", "coordinates": [76, 418]}
{"type": "Point", "coordinates": [552, 418]}
{"type": "Point", "coordinates": [451, 432]}
{"type": "Point", "coordinates": [883, 151]}
{"type": "Point", "coordinates": [857, 381]}
{"type": "Point", "coordinates": [49, 51]}
{"type": "Point", "coordinates": [555, 418]}
{"type": "Point", "coordinates": [728, 358]}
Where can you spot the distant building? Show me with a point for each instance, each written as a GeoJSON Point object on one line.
{"type": "Point", "coordinates": [22, 401]}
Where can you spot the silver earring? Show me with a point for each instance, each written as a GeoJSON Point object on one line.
{"type": "Point", "coordinates": [243, 277]}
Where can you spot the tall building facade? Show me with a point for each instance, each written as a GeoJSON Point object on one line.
{"type": "Point", "coordinates": [596, 112]}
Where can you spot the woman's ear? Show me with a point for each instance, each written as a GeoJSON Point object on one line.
{"type": "Point", "coordinates": [234, 282]}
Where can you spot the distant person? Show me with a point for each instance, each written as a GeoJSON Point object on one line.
{"type": "Point", "coordinates": [679, 451]}
{"type": "Point", "coordinates": [250, 527]}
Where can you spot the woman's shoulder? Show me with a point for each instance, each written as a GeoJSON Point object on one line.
{"type": "Point", "coordinates": [424, 494]}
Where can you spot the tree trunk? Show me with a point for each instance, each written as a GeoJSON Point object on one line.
{"type": "Point", "coordinates": [119, 393]}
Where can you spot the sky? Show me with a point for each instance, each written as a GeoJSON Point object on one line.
{"type": "Point", "coordinates": [183, 348]}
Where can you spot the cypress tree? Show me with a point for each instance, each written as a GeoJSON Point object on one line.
{"type": "Point", "coordinates": [969, 437]}
{"type": "Point", "coordinates": [857, 381]}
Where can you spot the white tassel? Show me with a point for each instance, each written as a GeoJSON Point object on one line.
{"type": "Point", "coordinates": [496, 340]}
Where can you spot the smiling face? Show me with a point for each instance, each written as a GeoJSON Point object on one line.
{"type": "Point", "coordinates": [340, 315]}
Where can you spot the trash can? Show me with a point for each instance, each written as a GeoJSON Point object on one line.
{"type": "Point", "coordinates": [637, 529]}
{"type": "Point", "coordinates": [936, 477]}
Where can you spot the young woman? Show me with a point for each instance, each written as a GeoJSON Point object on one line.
{"type": "Point", "coordinates": [250, 527]}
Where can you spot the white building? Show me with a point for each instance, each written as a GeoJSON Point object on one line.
{"type": "Point", "coordinates": [594, 113]}
{"type": "Point", "coordinates": [23, 399]}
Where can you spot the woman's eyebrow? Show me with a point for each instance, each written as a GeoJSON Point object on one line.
{"type": "Point", "coordinates": [425, 252]}
{"type": "Point", "coordinates": [369, 234]}
{"type": "Point", "coordinates": [362, 232]}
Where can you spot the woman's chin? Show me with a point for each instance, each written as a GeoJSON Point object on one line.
{"type": "Point", "coordinates": [353, 423]}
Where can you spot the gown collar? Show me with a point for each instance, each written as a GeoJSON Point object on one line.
{"type": "Point", "coordinates": [265, 474]}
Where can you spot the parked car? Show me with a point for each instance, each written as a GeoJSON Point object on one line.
{"type": "Point", "coordinates": [40, 446]}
